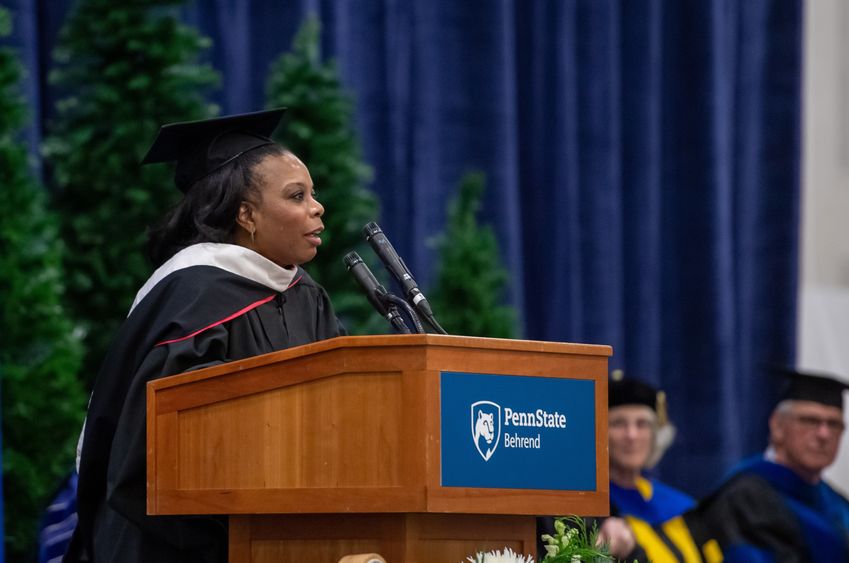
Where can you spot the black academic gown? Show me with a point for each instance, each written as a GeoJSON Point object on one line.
{"type": "Point", "coordinates": [195, 317]}
{"type": "Point", "coordinates": [767, 513]}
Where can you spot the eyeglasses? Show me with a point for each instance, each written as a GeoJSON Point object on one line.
{"type": "Point", "coordinates": [809, 422]}
{"type": "Point", "coordinates": [622, 423]}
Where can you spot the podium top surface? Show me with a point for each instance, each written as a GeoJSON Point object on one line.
{"type": "Point", "coordinates": [388, 341]}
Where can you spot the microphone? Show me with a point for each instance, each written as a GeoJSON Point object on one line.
{"type": "Point", "coordinates": [374, 291]}
{"type": "Point", "coordinates": [384, 250]}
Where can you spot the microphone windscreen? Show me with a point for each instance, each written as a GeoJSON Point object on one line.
{"type": "Point", "coordinates": [352, 258]}
{"type": "Point", "coordinates": [371, 229]}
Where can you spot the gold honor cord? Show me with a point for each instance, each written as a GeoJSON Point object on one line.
{"type": "Point", "coordinates": [655, 549]}
{"type": "Point", "coordinates": [679, 534]}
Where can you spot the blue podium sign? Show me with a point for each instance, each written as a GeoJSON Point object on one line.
{"type": "Point", "coordinates": [517, 432]}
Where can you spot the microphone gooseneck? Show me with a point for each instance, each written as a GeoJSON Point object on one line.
{"type": "Point", "coordinates": [394, 299]}
{"type": "Point", "coordinates": [375, 293]}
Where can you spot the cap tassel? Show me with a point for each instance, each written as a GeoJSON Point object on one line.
{"type": "Point", "coordinates": [662, 417]}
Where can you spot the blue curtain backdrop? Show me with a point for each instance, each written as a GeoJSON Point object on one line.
{"type": "Point", "coordinates": [642, 161]}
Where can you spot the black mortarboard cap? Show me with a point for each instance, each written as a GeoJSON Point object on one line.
{"type": "Point", "coordinates": [816, 387]}
{"type": "Point", "coordinates": [629, 391]}
{"type": "Point", "coordinates": [202, 147]}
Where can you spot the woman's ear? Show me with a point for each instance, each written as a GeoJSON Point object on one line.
{"type": "Point", "coordinates": [245, 217]}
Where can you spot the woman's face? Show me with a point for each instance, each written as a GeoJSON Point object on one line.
{"type": "Point", "coordinates": [285, 216]}
{"type": "Point", "coordinates": [630, 433]}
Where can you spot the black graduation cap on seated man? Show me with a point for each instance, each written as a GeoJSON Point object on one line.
{"type": "Point", "coordinates": [202, 147]}
{"type": "Point", "coordinates": [816, 387]}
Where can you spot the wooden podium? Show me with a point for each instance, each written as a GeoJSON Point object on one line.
{"type": "Point", "coordinates": [335, 447]}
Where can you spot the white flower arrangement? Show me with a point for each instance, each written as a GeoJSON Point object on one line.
{"type": "Point", "coordinates": [572, 542]}
{"type": "Point", "coordinates": [507, 556]}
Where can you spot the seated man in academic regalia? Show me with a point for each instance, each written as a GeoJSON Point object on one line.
{"type": "Point", "coordinates": [776, 507]}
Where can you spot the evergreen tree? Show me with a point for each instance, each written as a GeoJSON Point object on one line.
{"type": "Point", "coordinates": [127, 67]}
{"type": "Point", "coordinates": [43, 401]}
{"type": "Point", "coordinates": [470, 282]}
{"type": "Point", "coordinates": [319, 130]}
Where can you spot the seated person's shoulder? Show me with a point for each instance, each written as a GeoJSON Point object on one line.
{"type": "Point", "coordinates": [670, 494]}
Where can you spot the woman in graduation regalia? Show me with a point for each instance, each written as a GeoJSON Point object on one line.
{"type": "Point", "coordinates": [638, 435]}
{"type": "Point", "coordinates": [227, 286]}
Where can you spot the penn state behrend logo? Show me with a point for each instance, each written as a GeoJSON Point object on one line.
{"type": "Point", "coordinates": [486, 427]}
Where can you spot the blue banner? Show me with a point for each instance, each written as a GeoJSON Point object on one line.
{"type": "Point", "coordinates": [516, 432]}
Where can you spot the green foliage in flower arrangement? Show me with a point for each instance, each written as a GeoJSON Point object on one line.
{"type": "Point", "coordinates": [467, 296]}
{"type": "Point", "coordinates": [42, 400]}
{"type": "Point", "coordinates": [124, 68]}
{"type": "Point", "coordinates": [572, 541]}
{"type": "Point", "coordinates": [319, 129]}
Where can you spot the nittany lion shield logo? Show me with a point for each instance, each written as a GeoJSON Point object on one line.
{"type": "Point", "coordinates": [486, 427]}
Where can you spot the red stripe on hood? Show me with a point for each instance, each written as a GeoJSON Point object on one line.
{"type": "Point", "coordinates": [238, 313]}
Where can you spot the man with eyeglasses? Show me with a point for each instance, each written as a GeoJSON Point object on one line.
{"type": "Point", "coordinates": [776, 508]}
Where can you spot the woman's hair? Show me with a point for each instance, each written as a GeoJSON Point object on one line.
{"type": "Point", "coordinates": [208, 210]}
